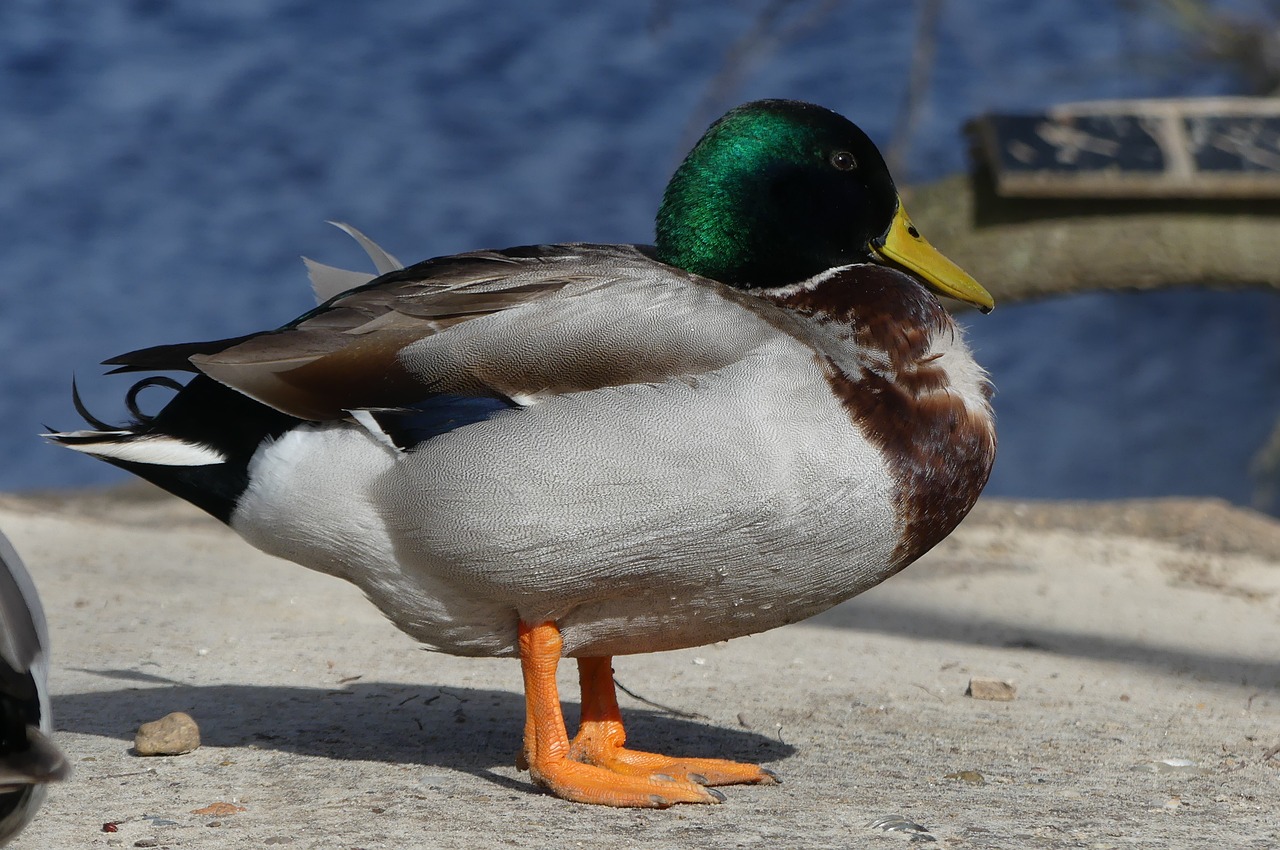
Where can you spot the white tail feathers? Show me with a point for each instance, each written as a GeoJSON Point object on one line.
{"type": "Point", "coordinates": [154, 449]}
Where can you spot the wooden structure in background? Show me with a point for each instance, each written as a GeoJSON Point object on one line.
{"type": "Point", "coordinates": [1115, 195]}
{"type": "Point", "coordinates": [1198, 148]}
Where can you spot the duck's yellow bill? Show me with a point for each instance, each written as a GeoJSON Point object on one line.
{"type": "Point", "coordinates": [903, 246]}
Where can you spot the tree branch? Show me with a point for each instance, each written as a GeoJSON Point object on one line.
{"type": "Point", "coordinates": [1025, 248]}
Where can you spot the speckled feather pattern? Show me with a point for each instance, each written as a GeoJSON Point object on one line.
{"type": "Point", "coordinates": [687, 463]}
{"type": "Point", "coordinates": [915, 392]}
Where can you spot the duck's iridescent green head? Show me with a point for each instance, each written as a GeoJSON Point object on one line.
{"type": "Point", "coordinates": [778, 191]}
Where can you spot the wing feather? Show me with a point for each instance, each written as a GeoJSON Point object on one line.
{"type": "Point", "coordinates": [519, 323]}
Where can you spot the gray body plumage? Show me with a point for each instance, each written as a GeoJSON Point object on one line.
{"type": "Point", "coordinates": [677, 470]}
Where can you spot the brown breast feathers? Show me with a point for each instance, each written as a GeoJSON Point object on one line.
{"type": "Point", "coordinates": [938, 447]}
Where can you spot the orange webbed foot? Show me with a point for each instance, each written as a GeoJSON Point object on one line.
{"type": "Point", "coordinates": [700, 771]}
{"type": "Point", "coordinates": [596, 768]}
{"type": "Point", "coordinates": [601, 737]}
{"type": "Point", "coordinates": [585, 783]}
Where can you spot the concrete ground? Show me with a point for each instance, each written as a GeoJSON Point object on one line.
{"type": "Point", "coordinates": [1144, 641]}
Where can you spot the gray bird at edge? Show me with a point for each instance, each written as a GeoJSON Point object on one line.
{"type": "Point", "coordinates": [28, 757]}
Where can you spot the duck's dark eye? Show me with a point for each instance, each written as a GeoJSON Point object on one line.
{"type": "Point", "coordinates": [843, 161]}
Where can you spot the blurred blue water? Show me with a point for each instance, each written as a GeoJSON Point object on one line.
{"type": "Point", "coordinates": [164, 165]}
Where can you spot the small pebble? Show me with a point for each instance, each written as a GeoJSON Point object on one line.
{"type": "Point", "coordinates": [171, 735]}
{"type": "Point", "coordinates": [982, 687]}
{"type": "Point", "coordinates": [973, 777]}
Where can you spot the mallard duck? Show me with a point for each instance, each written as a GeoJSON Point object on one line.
{"type": "Point", "coordinates": [28, 757]}
{"type": "Point", "coordinates": [593, 450]}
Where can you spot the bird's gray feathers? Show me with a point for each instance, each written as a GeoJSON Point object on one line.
{"type": "Point", "coordinates": [23, 634]}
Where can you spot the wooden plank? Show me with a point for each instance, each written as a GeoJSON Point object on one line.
{"type": "Point", "coordinates": [1191, 148]}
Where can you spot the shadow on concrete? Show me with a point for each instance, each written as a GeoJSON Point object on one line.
{"type": "Point", "coordinates": [465, 729]}
{"type": "Point", "coordinates": [928, 624]}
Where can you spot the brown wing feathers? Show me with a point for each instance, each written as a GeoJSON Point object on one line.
{"type": "Point", "coordinates": [345, 354]}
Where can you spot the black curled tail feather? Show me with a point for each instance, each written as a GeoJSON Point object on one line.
{"type": "Point", "coordinates": [84, 411]}
{"type": "Point", "coordinates": [198, 446]}
{"type": "Point", "coordinates": [131, 397]}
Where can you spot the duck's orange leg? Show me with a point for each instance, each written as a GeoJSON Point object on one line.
{"type": "Point", "coordinates": [601, 737]}
{"type": "Point", "coordinates": [546, 745]}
